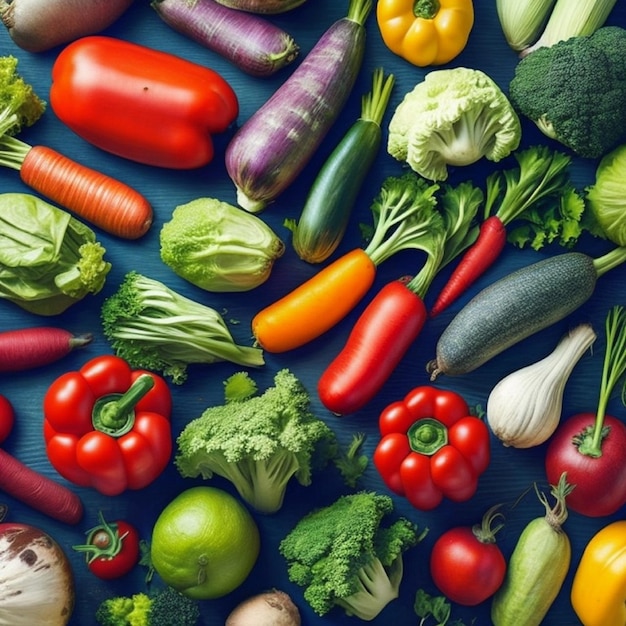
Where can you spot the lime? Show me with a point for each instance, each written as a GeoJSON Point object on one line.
{"type": "Point", "coordinates": [204, 543]}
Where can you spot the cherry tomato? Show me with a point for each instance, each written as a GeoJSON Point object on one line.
{"type": "Point", "coordinates": [112, 549]}
{"type": "Point", "coordinates": [7, 418]}
{"type": "Point", "coordinates": [466, 564]}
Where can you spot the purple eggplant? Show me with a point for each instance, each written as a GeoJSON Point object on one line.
{"type": "Point", "coordinates": [250, 42]}
{"type": "Point", "coordinates": [274, 145]}
{"type": "Point", "coordinates": [262, 6]}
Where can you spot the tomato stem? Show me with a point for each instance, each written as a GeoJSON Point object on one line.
{"type": "Point", "coordinates": [109, 547]}
{"type": "Point", "coordinates": [114, 414]}
{"type": "Point", "coordinates": [427, 436]}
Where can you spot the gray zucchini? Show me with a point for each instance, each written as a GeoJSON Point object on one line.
{"type": "Point", "coordinates": [513, 308]}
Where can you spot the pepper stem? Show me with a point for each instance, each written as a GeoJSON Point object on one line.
{"type": "Point", "coordinates": [427, 436]}
{"type": "Point", "coordinates": [114, 414]}
{"type": "Point", "coordinates": [426, 9]}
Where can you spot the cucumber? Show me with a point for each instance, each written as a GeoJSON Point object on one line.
{"type": "Point", "coordinates": [513, 308]}
{"type": "Point", "coordinates": [330, 200]}
{"type": "Point", "coordinates": [537, 567]}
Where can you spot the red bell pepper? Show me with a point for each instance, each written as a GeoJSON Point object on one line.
{"type": "Point", "coordinates": [107, 426]}
{"type": "Point", "coordinates": [139, 103]}
{"type": "Point", "coordinates": [431, 447]}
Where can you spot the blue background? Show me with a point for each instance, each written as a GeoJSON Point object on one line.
{"type": "Point", "coordinates": [512, 472]}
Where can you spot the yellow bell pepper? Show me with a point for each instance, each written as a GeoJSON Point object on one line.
{"type": "Point", "coordinates": [598, 592]}
{"type": "Point", "coordinates": [425, 32]}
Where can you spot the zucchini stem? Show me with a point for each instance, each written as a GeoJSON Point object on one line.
{"type": "Point", "coordinates": [374, 103]}
{"type": "Point", "coordinates": [610, 260]}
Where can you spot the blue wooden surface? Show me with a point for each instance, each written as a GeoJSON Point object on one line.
{"type": "Point", "coordinates": [511, 473]}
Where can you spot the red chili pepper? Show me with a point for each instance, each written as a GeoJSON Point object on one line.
{"type": "Point", "coordinates": [142, 104]}
{"type": "Point", "coordinates": [431, 447]}
{"type": "Point", "coordinates": [111, 550]}
{"type": "Point", "coordinates": [107, 426]}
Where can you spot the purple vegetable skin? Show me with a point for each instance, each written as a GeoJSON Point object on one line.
{"type": "Point", "coordinates": [274, 145]}
{"type": "Point", "coordinates": [250, 42]}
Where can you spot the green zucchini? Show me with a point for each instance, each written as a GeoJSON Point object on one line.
{"type": "Point", "coordinates": [537, 567]}
{"type": "Point", "coordinates": [327, 209]}
{"type": "Point", "coordinates": [513, 308]}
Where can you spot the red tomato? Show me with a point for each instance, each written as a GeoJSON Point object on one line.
{"type": "Point", "coordinates": [112, 550]}
{"type": "Point", "coordinates": [600, 481]}
{"type": "Point", "coordinates": [466, 564]}
{"type": "Point", "coordinates": [7, 418]}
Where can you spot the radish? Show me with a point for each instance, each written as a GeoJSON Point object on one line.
{"type": "Point", "coordinates": [38, 25]}
{"type": "Point", "coordinates": [27, 348]}
{"type": "Point", "coordinates": [274, 145]}
{"type": "Point", "coordinates": [250, 42]}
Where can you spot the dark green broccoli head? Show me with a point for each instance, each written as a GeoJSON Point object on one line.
{"type": "Point", "coordinates": [575, 91]}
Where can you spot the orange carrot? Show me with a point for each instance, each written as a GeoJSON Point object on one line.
{"type": "Point", "coordinates": [316, 305]}
{"type": "Point", "coordinates": [97, 198]}
{"type": "Point", "coordinates": [403, 217]}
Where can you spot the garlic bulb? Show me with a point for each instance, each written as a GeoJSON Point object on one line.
{"type": "Point", "coordinates": [524, 408]}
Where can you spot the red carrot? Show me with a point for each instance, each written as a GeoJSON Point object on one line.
{"type": "Point", "coordinates": [474, 263]}
{"type": "Point", "coordinates": [27, 348]}
{"type": "Point", "coordinates": [38, 491]}
{"type": "Point", "coordinates": [95, 197]}
{"type": "Point", "coordinates": [378, 342]}
{"type": "Point", "coordinates": [395, 316]}
{"type": "Point", "coordinates": [540, 175]}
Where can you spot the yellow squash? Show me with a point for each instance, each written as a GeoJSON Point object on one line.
{"type": "Point", "coordinates": [425, 32]}
{"type": "Point", "coordinates": [599, 589]}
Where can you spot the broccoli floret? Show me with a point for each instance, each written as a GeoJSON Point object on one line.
{"type": "Point", "coordinates": [171, 608]}
{"type": "Point", "coordinates": [125, 611]}
{"type": "Point", "coordinates": [166, 607]}
{"type": "Point", "coordinates": [258, 444]}
{"type": "Point", "coordinates": [453, 117]}
{"type": "Point", "coordinates": [575, 91]}
{"type": "Point", "coordinates": [219, 247]}
{"type": "Point", "coordinates": [343, 555]}
{"type": "Point", "coordinates": [19, 104]}
{"type": "Point", "coordinates": [156, 328]}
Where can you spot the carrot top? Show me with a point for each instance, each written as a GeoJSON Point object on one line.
{"type": "Point", "coordinates": [539, 193]}
{"type": "Point", "coordinates": [458, 230]}
{"type": "Point", "coordinates": [404, 216]}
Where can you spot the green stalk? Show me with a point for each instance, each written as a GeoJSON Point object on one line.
{"type": "Point", "coordinates": [573, 18]}
{"type": "Point", "coordinates": [613, 368]}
